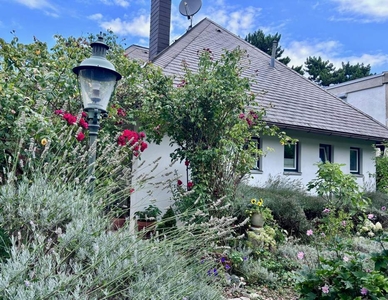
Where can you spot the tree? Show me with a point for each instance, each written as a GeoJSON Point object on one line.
{"type": "Point", "coordinates": [324, 73]}
{"type": "Point", "coordinates": [320, 71]}
{"type": "Point", "coordinates": [350, 72]}
{"type": "Point", "coordinates": [264, 43]}
{"type": "Point", "coordinates": [207, 121]}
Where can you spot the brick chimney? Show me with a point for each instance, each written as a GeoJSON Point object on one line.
{"type": "Point", "coordinates": [160, 27]}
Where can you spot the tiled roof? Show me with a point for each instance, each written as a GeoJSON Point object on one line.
{"type": "Point", "coordinates": [291, 100]}
{"type": "Point", "coordinates": [137, 52]}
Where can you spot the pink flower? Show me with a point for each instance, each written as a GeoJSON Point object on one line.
{"type": "Point", "coordinates": [343, 223]}
{"type": "Point", "coordinates": [142, 135]}
{"type": "Point", "coordinates": [241, 116]}
{"type": "Point", "coordinates": [179, 182]}
{"type": "Point", "coordinates": [84, 114]}
{"type": "Point", "coordinates": [187, 162]}
{"type": "Point", "coordinates": [346, 259]}
{"type": "Point", "coordinates": [326, 211]}
{"type": "Point", "coordinates": [80, 136]}
{"type": "Point", "coordinates": [383, 208]}
{"type": "Point", "coordinates": [309, 232]}
{"type": "Point", "coordinates": [364, 291]}
{"type": "Point", "coordinates": [83, 123]}
{"type": "Point", "coordinates": [371, 216]}
{"type": "Point", "coordinates": [300, 255]}
{"type": "Point", "coordinates": [131, 190]}
{"type": "Point", "coordinates": [325, 289]}
{"type": "Point", "coordinates": [58, 112]}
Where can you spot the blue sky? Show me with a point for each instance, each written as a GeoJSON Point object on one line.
{"type": "Point", "coordinates": [336, 30]}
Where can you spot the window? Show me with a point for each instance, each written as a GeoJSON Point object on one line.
{"type": "Point", "coordinates": [325, 153]}
{"type": "Point", "coordinates": [291, 157]}
{"type": "Point", "coordinates": [355, 160]}
{"type": "Point", "coordinates": [255, 142]}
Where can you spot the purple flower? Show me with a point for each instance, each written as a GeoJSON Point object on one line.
{"type": "Point", "coordinates": [227, 267]}
{"type": "Point", "coordinates": [309, 232]}
{"type": "Point", "coordinates": [364, 291]}
{"type": "Point", "coordinates": [300, 255]}
{"type": "Point", "coordinates": [326, 211]}
{"type": "Point", "coordinates": [215, 272]}
{"type": "Point", "coordinates": [325, 289]}
{"type": "Point", "coordinates": [371, 216]}
{"type": "Point", "coordinates": [223, 259]}
{"type": "Point", "coordinates": [383, 208]}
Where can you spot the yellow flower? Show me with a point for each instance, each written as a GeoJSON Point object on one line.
{"type": "Point", "coordinates": [43, 142]}
{"type": "Point", "coordinates": [253, 201]}
{"type": "Point", "coordinates": [260, 202]}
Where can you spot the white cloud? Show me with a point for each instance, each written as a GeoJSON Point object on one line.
{"type": "Point", "coordinates": [298, 51]}
{"type": "Point", "coordinates": [95, 17]}
{"type": "Point", "coordinates": [122, 3]}
{"type": "Point", "coordinates": [376, 9]}
{"type": "Point", "coordinates": [139, 26]}
{"type": "Point", "coordinates": [43, 5]}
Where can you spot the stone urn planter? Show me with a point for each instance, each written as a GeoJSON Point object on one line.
{"type": "Point", "coordinates": [257, 220]}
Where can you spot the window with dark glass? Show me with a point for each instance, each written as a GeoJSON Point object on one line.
{"type": "Point", "coordinates": [291, 157]}
{"type": "Point", "coordinates": [255, 142]}
{"type": "Point", "coordinates": [355, 160]}
{"type": "Point", "coordinates": [325, 153]}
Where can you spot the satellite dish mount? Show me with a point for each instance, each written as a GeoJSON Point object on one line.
{"type": "Point", "coordinates": [189, 8]}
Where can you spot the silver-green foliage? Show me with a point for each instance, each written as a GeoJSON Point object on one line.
{"type": "Point", "coordinates": [62, 248]}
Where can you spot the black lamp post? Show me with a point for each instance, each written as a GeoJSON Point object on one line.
{"type": "Point", "coordinates": [97, 78]}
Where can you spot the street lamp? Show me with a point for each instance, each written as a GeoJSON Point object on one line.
{"type": "Point", "coordinates": [97, 78]}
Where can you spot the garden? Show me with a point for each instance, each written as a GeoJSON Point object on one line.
{"type": "Point", "coordinates": [221, 238]}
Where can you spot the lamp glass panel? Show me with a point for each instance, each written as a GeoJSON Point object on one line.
{"type": "Point", "coordinates": [96, 86]}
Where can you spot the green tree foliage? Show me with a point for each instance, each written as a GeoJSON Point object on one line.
{"type": "Point", "coordinates": [340, 190]}
{"type": "Point", "coordinates": [324, 73]}
{"type": "Point", "coordinates": [320, 71]}
{"type": "Point", "coordinates": [264, 43]}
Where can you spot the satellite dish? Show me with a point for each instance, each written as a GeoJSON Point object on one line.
{"type": "Point", "coordinates": [189, 8]}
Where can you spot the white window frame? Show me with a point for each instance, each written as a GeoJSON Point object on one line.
{"type": "Point", "coordinates": [358, 160]}
{"type": "Point", "coordinates": [295, 166]}
{"type": "Point", "coordinates": [328, 152]}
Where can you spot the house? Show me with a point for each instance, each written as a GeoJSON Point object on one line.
{"type": "Point", "coordinates": [369, 94]}
{"type": "Point", "coordinates": [327, 127]}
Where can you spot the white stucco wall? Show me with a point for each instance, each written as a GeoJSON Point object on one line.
{"type": "Point", "coordinates": [272, 165]}
{"type": "Point", "coordinates": [156, 165]}
{"type": "Point", "coordinates": [371, 101]}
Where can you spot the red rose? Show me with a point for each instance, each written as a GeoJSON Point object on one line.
{"type": "Point", "coordinates": [190, 185]}
{"type": "Point", "coordinates": [179, 182]}
{"type": "Point", "coordinates": [143, 146]}
{"type": "Point", "coordinates": [83, 124]}
{"type": "Point", "coordinates": [71, 120]}
{"type": "Point", "coordinates": [80, 136]}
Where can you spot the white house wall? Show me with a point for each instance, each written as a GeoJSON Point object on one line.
{"type": "Point", "coordinates": [272, 164]}
{"type": "Point", "coordinates": [371, 101]}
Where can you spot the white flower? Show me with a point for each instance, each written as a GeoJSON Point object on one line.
{"type": "Point", "coordinates": [378, 226]}
{"type": "Point", "coordinates": [371, 234]}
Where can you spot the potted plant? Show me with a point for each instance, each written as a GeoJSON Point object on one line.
{"type": "Point", "coordinates": [120, 214]}
{"type": "Point", "coordinates": [147, 218]}
{"type": "Point", "coordinates": [258, 213]}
